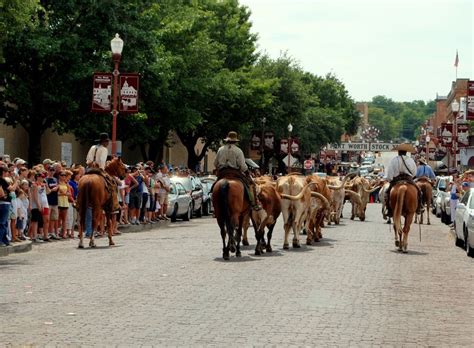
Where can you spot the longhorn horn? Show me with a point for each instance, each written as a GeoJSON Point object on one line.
{"type": "Point", "coordinates": [323, 199]}
{"type": "Point", "coordinates": [299, 195]}
{"type": "Point", "coordinates": [354, 196]}
{"type": "Point", "coordinates": [343, 183]}
{"type": "Point", "coordinates": [370, 190]}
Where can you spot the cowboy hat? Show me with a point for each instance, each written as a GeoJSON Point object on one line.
{"type": "Point", "coordinates": [102, 137]}
{"type": "Point", "coordinates": [232, 137]}
{"type": "Point", "coordinates": [422, 160]}
{"type": "Point", "coordinates": [405, 147]}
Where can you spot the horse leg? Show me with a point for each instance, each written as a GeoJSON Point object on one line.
{"type": "Point", "coordinates": [225, 250]}
{"type": "Point", "coordinates": [110, 225]}
{"type": "Point", "coordinates": [96, 216]}
{"type": "Point", "coordinates": [353, 211]}
{"type": "Point", "coordinates": [81, 235]}
{"type": "Point", "coordinates": [406, 230]}
{"type": "Point", "coordinates": [246, 225]}
{"type": "Point", "coordinates": [239, 237]}
{"type": "Point", "coordinates": [428, 213]}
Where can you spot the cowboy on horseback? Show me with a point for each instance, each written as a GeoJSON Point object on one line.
{"type": "Point", "coordinates": [425, 170]}
{"type": "Point", "coordinates": [230, 161]}
{"type": "Point", "coordinates": [96, 161]}
{"type": "Point", "coordinates": [401, 168]}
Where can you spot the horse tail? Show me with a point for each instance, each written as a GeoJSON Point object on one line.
{"type": "Point", "coordinates": [224, 199]}
{"type": "Point", "coordinates": [397, 212]}
{"type": "Point", "coordinates": [83, 202]}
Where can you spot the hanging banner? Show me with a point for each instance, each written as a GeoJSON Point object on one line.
{"type": "Point", "coordinates": [447, 134]}
{"type": "Point", "coordinates": [102, 92]}
{"type": "Point", "coordinates": [463, 134]}
{"type": "Point", "coordinates": [128, 99]}
{"type": "Point", "coordinates": [470, 101]}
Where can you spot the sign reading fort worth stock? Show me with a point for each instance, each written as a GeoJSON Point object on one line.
{"type": "Point", "coordinates": [381, 147]}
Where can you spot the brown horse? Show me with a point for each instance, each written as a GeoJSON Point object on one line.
{"type": "Point", "coordinates": [404, 200]}
{"type": "Point", "coordinates": [427, 194]}
{"type": "Point", "coordinates": [231, 207]}
{"type": "Point", "coordinates": [93, 194]}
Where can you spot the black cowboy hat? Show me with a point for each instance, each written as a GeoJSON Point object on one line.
{"type": "Point", "coordinates": [103, 137]}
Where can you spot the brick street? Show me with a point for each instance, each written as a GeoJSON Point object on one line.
{"type": "Point", "coordinates": [170, 287]}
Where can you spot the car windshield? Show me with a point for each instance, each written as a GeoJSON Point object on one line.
{"type": "Point", "coordinates": [186, 183]}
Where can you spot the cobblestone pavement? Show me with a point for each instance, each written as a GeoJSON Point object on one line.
{"type": "Point", "coordinates": [169, 287]}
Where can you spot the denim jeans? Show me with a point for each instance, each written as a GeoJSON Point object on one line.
{"type": "Point", "coordinates": [4, 213]}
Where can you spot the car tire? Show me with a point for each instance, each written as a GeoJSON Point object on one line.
{"type": "Point", "coordinates": [189, 213]}
{"type": "Point", "coordinates": [469, 250]}
{"type": "Point", "coordinates": [175, 213]}
{"type": "Point", "coordinates": [458, 242]}
{"type": "Point", "coordinates": [443, 216]}
{"type": "Point", "coordinates": [205, 208]}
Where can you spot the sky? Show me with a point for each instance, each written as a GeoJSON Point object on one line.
{"type": "Point", "coordinates": [403, 49]}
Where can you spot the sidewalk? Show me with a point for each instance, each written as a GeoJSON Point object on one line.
{"type": "Point", "coordinates": [27, 245]}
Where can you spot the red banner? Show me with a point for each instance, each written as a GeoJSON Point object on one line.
{"type": "Point", "coordinates": [128, 98]}
{"type": "Point", "coordinates": [447, 134]}
{"type": "Point", "coordinates": [102, 92]}
{"type": "Point", "coordinates": [470, 101]}
{"type": "Point", "coordinates": [463, 134]}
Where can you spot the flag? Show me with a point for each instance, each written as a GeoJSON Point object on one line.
{"type": "Point", "coordinates": [456, 61]}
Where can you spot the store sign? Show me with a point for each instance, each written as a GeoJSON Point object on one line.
{"type": "Point", "coordinates": [102, 92]}
{"type": "Point", "coordinates": [129, 93]}
{"type": "Point", "coordinates": [463, 134]}
{"type": "Point", "coordinates": [374, 147]}
{"type": "Point", "coordinates": [447, 134]}
{"type": "Point", "coordinates": [470, 101]}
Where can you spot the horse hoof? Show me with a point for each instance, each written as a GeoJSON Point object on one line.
{"type": "Point", "coordinates": [308, 242]}
{"type": "Point", "coordinates": [428, 223]}
{"type": "Point", "coordinates": [80, 246]}
{"type": "Point", "coordinates": [111, 243]}
{"type": "Point", "coordinates": [405, 251]}
{"type": "Point", "coordinates": [286, 246]}
{"type": "Point", "coordinates": [245, 242]}
{"type": "Point", "coordinates": [257, 252]}
{"type": "Point", "coordinates": [296, 245]}
{"type": "Point", "coordinates": [226, 257]}
{"type": "Point", "coordinates": [269, 249]}
{"type": "Point", "coordinates": [238, 254]}
{"type": "Point", "coordinates": [397, 243]}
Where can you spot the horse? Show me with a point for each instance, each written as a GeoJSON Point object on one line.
{"type": "Point", "coordinates": [93, 194]}
{"type": "Point", "coordinates": [427, 195]}
{"type": "Point", "coordinates": [404, 200]}
{"type": "Point", "coordinates": [231, 208]}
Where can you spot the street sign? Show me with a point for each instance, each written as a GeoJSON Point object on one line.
{"type": "Point", "coordinates": [447, 134]}
{"type": "Point", "coordinates": [470, 101]}
{"type": "Point", "coordinates": [102, 92]}
{"type": "Point", "coordinates": [374, 147]}
{"type": "Point", "coordinates": [129, 93]}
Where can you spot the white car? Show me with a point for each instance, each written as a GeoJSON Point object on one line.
{"type": "Point", "coordinates": [179, 202]}
{"type": "Point", "coordinates": [464, 222]}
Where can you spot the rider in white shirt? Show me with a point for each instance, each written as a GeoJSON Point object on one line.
{"type": "Point", "coordinates": [401, 167]}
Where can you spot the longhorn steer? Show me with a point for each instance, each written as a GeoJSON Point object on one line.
{"type": "Point", "coordinates": [295, 203]}
{"type": "Point", "coordinates": [318, 212]}
{"type": "Point", "coordinates": [361, 186]}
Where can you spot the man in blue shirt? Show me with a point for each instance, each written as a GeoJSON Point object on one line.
{"type": "Point", "coordinates": [424, 170]}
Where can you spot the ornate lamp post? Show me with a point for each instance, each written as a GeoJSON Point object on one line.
{"type": "Point", "coordinates": [116, 45]}
{"type": "Point", "coordinates": [455, 110]}
{"type": "Point", "coordinates": [290, 129]}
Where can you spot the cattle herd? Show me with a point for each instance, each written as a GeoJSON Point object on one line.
{"type": "Point", "coordinates": [305, 203]}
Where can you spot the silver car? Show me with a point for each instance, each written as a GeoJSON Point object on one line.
{"type": "Point", "coordinates": [179, 202]}
{"type": "Point", "coordinates": [464, 222]}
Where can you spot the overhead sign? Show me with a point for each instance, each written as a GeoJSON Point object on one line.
{"type": "Point", "coordinates": [102, 92]}
{"type": "Point", "coordinates": [128, 93]}
{"type": "Point", "coordinates": [470, 101]}
{"type": "Point", "coordinates": [380, 147]}
{"type": "Point", "coordinates": [447, 134]}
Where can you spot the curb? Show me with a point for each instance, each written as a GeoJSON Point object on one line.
{"type": "Point", "coordinates": [143, 228]}
{"type": "Point", "coordinates": [22, 247]}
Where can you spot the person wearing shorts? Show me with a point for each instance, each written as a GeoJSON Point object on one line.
{"type": "Point", "coordinates": [135, 197]}
{"type": "Point", "coordinates": [52, 195]}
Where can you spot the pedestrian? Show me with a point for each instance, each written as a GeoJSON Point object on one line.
{"type": "Point", "coordinates": [135, 196]}
{"type": "Point", "coordinates": [64, 194]}
{"type": "Point", "coordinates": [4, 206]}
{"type": "Point", "coordinates": [52, 195]}
{"type": "Point", "coordinates": [455, 193]}
{"type": "Point", "coordinates": [23, 206]}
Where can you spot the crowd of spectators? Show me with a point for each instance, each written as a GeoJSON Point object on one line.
{"type": "Point", "coordinates": [38, 203]}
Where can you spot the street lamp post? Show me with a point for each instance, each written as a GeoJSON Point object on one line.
{"type": "Point", "coordinates": [290, 129]}
{"type": "Point", "coordinates": [455, 110]}
{"type": "Point", "coordinates": [262, 149]}
{"type": "Point", "coordinates": [116, 45]}
{"type": "Point", "coordinates": [428, 139]}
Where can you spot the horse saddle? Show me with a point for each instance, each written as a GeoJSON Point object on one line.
{"type": "Point", "coordinates": [111, 205]}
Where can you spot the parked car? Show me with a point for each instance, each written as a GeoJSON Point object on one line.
{"type": "Point", "coordinates": [363, 171]}
{"type": "Point", "coordinates": [464, 222]}
{"type": "Point", "coordinates": [179, 202]}
{"type": "Point", "coordinates": [367, 167]}
{"type": "Point", "coordinates": [207, 182]}
{"type": "Point", "coordinates": [194, 190]}
{"type": "Point", "coordinates": [441, 198]}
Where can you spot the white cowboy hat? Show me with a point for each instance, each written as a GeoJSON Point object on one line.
{"type": "Point", "coordinates": [406, 147]}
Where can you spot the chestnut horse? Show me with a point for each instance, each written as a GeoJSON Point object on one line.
{"type": "Point", "coordinates": [231, 207]}
{"type": "Point", "coordinates": [404, 200]}
{"type": "Point", "coordinates": [93, 194]}
{"type": "Point", "coordinates": [427, 195]}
